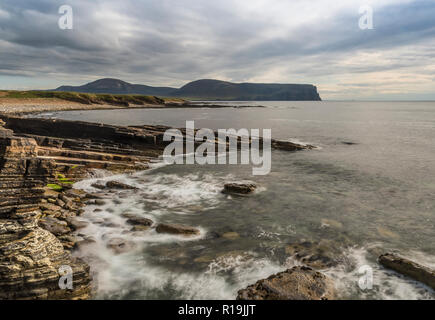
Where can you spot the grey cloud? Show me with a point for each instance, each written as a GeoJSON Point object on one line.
{"type": "Point", "coordinates": [170, 42]}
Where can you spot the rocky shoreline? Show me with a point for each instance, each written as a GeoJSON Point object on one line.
{"type": "Point", "coordinates": [41, 159]}
{"type": "Point", "coordinates": [32, 106]}
{"type": "Point", "coordinates": [40, 211]}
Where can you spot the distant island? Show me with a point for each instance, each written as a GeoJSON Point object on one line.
{"type": "Point", "coordinates": [206, 89]}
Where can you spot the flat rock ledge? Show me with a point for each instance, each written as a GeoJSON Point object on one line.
{"type": "Point", "coordinates": [297, 283]}
{"type": "Point", "coordinates": [177, 229]}
{"type": "Point", "coordinates": [408, 268]}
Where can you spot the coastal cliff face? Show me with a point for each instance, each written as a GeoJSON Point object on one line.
{"type": "Point", "coordinates": [36, 222]}
{"type": "Point", "coordinates": [206, 89]}
{"type": "Point", "coordinates": [30, 257]}
{"type": "Point", "coordinates": [209, 89]}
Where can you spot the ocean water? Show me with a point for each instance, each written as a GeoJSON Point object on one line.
{"type": "Point", "coordinates": [367, 189]}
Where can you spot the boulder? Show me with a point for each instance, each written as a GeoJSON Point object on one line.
{"type": "Point", "coordinates": [98, 186]}
{"type": "Point", "coordinates": [76, 224]}
{"type": "Point", "coordinates": [177, 229]}
{"type": "Point", "coordinates": [409, 268]}
{"type": "Point", "coordinates": [50, 207]}
{"type": "Point", "coordinates": [239, 188]}
{"type": "Point", "coordinates": [50, 194]}
{"type": "Point", "coordinates": [60, 203]}
{"type": "Point", "coordinates": [119, 185]}
{"type": "Point", "coordinates": [289, 146]}
{"type": "Point", "coordinates": [55, 226]}
{"type": "Point", "coordinates": [139, 228]}
{"type": "Point", "coordinates": [136, 220]}
{"type": "Point", "coordinates": [96, 202]}
{"type": "Point", "coordinates": [298, 283]}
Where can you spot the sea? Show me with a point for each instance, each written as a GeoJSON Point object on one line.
{"type": "Point", "coordinates": [367, 188]}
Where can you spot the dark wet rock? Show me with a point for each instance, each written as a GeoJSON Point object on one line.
{"type": "Point", "coordinates": [98, 210]}
{"type": "Point", "coordinates": [76, 224]}
{"type": "Point", "coordinates": [93, 196]}
{"type": "Point", "coordinates": [409, 268]}
{"type": "Point", "coordinates": [75, 194]}
{"type": "Point", "coordinates": [321, 255]}
{"type": "Point", "coordinates": [119, 245]}
{"type": "Point", "coordinates": [177, 229]}
{"type": "Point", "coordinates": [239, 188]}
{"type": "Point", "coordinates": [289, 146]}
{"type": "Point", "coordinates": [136, 220]}
{"type": "Point", "coordinates": [298, 283]}
{"type": "Point", "coordinates": [55, 226]}
{"type": "Point", "coordinates": [60, 203]}
{"type": "Point", "coordinates": [119, 185]}
{"type": "Point", "coordinates": [99, 202]}
{"type": "Point", "coordinates": [98, 186]}
{"type": "Point", "coordinates": [349, 143]}
{"type": "Point", "coordinates": [212, 235]}
{"type": "Point", "coordinates": [140, 228]}
{"type": "Point", "coordinates": [96, 202]}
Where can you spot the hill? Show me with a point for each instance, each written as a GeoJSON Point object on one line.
{"type": "Point", "coordinates": [115, 86]}
{"type": "Point", "coordinates": [206, 89]}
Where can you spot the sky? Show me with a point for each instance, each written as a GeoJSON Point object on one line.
{"type": "Point", "coordinates": [172, 42]}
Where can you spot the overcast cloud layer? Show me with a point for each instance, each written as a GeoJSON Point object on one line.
{"type": "Point", "coordinates": [171, 42]}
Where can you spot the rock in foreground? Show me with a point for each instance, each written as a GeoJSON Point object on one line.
{"type": "Point", "coordinates": [177, 229]}
{"type": "Point", "coordinates": [239, 188]}
{"type": "Point", "coordinates": [136, 220]}
{"type": "Point", "coordinates": [119, 185]}
{"type": "Point", "coordinates": [408, 268]}
{"type": "Point", "coordinates": [298, 283]}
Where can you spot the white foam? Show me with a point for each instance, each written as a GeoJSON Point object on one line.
{"type": "Point", "coordinates": [387, 285]}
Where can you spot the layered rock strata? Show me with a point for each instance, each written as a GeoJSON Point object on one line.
{"type": "Point", "coordinates": [298, 283]}
{"type": "Point", "coordinates": [30, 257]}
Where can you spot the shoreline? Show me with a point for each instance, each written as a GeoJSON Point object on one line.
{"type": "Point", "coordinates": [34, 106]}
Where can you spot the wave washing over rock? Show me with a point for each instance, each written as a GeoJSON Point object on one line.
{"type": "Point", "coordinates": [160, 194]}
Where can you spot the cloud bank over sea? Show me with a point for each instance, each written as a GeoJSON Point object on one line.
{"type": "Point", "coordinates": [171, 42]}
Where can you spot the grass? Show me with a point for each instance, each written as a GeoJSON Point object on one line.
{"type": "Point", "coordinates": [61, 182]}
{"type": "Point", "coordinates": [55, 187]}
{"type": "Point", "coordinates": [86, 98]}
